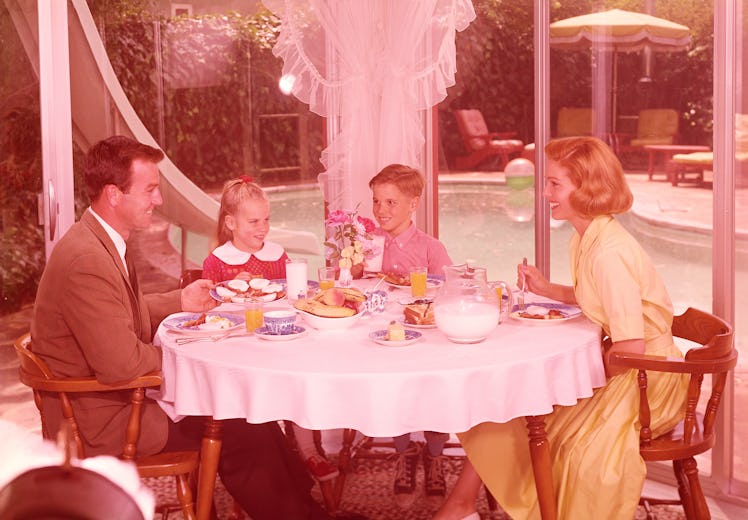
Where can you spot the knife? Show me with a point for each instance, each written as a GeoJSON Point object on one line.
{"type": "Point", "coordinates": [213, 337]}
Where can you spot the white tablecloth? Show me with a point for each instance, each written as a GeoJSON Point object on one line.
{"type": "Point", "coordinates": [340, 379]}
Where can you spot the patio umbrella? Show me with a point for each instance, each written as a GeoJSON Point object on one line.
{"type": "Point", "coordinates": [619, 31]}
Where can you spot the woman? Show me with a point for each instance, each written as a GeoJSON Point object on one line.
{"type": "Point", "coordinates": [597, 470]}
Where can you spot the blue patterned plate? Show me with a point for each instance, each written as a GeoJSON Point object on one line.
{"type": "Point", "coordinates": [380, 336]}
{"type": "Point", "coordinates": [538, 313]}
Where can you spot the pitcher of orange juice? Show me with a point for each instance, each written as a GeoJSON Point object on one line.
{"type": "Point", "coordinates": [505, 297]}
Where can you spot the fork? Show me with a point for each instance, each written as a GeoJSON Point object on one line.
{"type": "Point", "coordinates": [521, 300]}
{"type": "Point", "coordinates": [212, 337]}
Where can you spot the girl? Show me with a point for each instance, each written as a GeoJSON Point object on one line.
{"type": "Point", "coordinates": [594, 444]}
{"type": "Point", "coordinates": [243, 224]}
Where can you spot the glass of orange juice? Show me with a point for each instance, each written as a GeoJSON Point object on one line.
{"type": "Point", "coordinates": [253, 315]}
{"type": "Point", "coordinates": [418, 277]}
{"type": "Point", "coordinates": [326, 277]}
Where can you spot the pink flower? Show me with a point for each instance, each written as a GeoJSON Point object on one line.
{"type": "Point", "coordinates": [347, 233]}
{"type": "Point", "coordinates": [367, 222]}
{"type": "Point", "coordinates": [337, 217]}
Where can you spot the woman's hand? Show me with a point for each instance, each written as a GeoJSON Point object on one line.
{"type": "Point", "coordinates": [534, 280]}
{"type": "Point", "coordinates": [538, 284]}
{"type": "Point", "coordinates": [196, 296]}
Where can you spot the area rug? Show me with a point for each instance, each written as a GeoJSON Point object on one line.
{"type": "Point", "coordinates": [368, 492]}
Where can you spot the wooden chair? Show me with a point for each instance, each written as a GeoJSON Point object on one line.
{"type": "Point", "coordinates": [188, 276]}
{"type": "Point", "coordinates": [482, 145]}
{"type": "Point", "coordinates": [34, 373]}
{"type": "Point", "coordinates": [715, 355]}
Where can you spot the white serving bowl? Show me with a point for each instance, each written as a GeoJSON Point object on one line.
{"type": "Point", "coordinates": [321, 323]}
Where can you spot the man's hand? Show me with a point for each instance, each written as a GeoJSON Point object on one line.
{"type": "Point", "coordinates": [196, 296]}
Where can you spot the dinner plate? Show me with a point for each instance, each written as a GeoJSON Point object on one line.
{"type": "Point", "coordinates": [570, 311]}
{"type": "Point", "coordinates": [380, 336]}
{"type": "Point", "coordinates": [265, 297]}
{"type": "Point", "coordinates": [175, 323]}
{"type": "Point", "coordinates": [416, 325]}
{"type": "Point", "coordinates": [264, 333]}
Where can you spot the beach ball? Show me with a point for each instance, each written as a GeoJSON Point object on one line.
{"type": "Point", "coordinates": [519, 173]}
{"type": "Point", "coordinates": [520, 205]}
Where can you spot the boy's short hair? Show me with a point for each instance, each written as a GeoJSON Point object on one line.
{"type": "Point", "coordinates": [408, 180]}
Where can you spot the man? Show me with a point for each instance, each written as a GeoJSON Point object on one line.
{"type": "Point", "coordinates": [91, 319]}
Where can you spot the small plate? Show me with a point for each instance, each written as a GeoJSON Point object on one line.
{"type": "Point", "coordinates": [380, 336]}
{"type": "Point", "coordinates": [175, 323]}
{"type": "Point", "coordinates": [416, 325]}
{"type": "Point", "coordinates": [264, 333]}
{"type": "Point", "coordinates": [570, 312]}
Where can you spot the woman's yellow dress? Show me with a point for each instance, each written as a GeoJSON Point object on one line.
{"type": "Point", "coordinates": [597, 470]}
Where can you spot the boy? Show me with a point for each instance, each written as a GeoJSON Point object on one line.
{"type": "Point", "coordinates": [396, 192]}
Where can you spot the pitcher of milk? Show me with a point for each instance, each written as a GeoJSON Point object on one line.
{"type": "Point", "coordinates": [466, 309]}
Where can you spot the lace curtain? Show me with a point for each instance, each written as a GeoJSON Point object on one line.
{"type": "Point", "coordinates": [370, 67]}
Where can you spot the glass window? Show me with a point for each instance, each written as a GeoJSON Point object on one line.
{"type": "Point", "coordinates": [21, 240]}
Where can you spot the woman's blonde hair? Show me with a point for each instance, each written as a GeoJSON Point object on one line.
{"type": "Point", "coordinates": [235, 192]}
{"type": "Point", "coordinates": [407, 179]}
{"type": "Point", "coordinates": [596, 172]}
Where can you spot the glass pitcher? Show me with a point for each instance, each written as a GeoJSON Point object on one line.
{"type": "Point", "coordinates": [466, 309]}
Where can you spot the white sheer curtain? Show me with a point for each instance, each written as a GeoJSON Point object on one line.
{"type": "Point", "coordinates": [370, 67]}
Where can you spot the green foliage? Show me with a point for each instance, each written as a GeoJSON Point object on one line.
{"type": "Point", "coordinates": [495, 70]}
{"type": "Point", "coordinates": [219, 80]}
{"type": "Point", "coordinates": [21, 241]}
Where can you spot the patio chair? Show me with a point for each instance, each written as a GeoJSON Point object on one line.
{"type": "Point", "coordinates": [482, 145]}
{"type": "Point", "coordinates": [570, 122]}
{"type": "Point", "coordinates": [653, 126]}
{"type": "Point", "coordinates": [182, 465]}
{"type": "Point", "coordinates": [713, 354]}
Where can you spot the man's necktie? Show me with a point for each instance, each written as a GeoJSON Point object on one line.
{"type": "Point", "coordinates": [131, 272]}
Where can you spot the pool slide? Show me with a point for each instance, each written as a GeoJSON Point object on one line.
{"type": "Point", "coordinates": [93, 83]}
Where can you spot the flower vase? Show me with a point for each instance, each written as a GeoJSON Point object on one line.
{"type": "Point", "coordinates": [345, 277]}
{"type": "Point", "coordinates": [357, 271]}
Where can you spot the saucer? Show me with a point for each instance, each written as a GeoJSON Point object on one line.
{"type": "Point", "coordinates": [380, 336]}
{"type": "Point", "coordinates": [264, 333]}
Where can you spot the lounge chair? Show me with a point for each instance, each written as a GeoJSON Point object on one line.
{"type": "Point", "coordinates": [482, 145]}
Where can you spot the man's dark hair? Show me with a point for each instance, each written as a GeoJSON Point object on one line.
{"type": "Point", "coordinates": [109, 162]}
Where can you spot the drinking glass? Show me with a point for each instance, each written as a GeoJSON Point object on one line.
{"type": "Point", "coordinates": [296, 278]}
{"type": "Point", "coordinates": [253, 315]}
{"type": "Point", "coordinates": [326, 277]}
{"type": "Point", "coordinates": [418, 277]}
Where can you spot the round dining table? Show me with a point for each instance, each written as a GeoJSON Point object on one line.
{"type": "Point", "coordinates": [344, 379]}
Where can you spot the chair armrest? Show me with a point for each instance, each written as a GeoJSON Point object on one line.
{"type": "Point", "coordinates": [668, 364]}
{"type": "Point", "coordinates": [88, 384]}
{"type": "Point", "coordinates": [501, 135]}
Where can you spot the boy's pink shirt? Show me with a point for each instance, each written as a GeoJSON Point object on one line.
{"type": "Point", "coordinates": [412, 248]}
